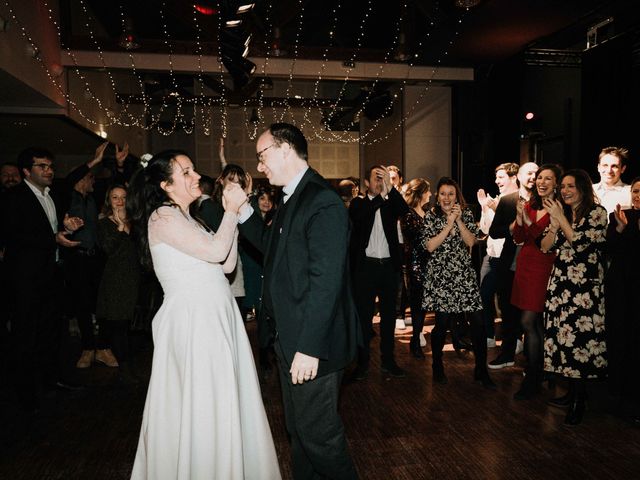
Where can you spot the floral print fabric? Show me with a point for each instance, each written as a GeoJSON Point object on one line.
{"type": "Point", "coordinates": [451, 285]}
{"type": "Point", "coordinates": [575, 344]}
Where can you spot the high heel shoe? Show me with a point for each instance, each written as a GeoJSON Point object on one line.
{"type": "Point", "coordinates": [575, 412]}
{"type": "Point", "coordinates": [482, 375]}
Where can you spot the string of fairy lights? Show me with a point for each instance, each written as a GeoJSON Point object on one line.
{"type": "Point", "coordinates": [208, 112]}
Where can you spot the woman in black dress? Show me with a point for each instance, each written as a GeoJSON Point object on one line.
{"type": "Point", "coordinates": [417, 195]}
{"type": "Point", "coordinates": [118, 291]}
{"type": "Point", "coordinates": [574, 322]}
{"type": "Point", "coordinates": [622, 300]}
{"type": "Point", "coordinates": [452, 286]}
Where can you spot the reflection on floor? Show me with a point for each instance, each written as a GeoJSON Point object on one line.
{"type": "Point", "coordinates": [397, 428]}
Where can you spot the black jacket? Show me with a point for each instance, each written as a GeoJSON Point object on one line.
{"type": "Point", "coordinates": [309, 282]}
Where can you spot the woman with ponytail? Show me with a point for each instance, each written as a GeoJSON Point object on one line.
{"type": "Point", "coordinates": [203, 417]}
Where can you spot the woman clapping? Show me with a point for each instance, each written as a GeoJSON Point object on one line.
{"type": "Point", "coordinates": [574, 345]}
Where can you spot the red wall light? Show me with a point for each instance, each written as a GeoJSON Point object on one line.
{"type": "Point", "coordinates": [205, 10]}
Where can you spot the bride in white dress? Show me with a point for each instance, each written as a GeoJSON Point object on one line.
{"type": "Point", "coordinates": [203, 417]}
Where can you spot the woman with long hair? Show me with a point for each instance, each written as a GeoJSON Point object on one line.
{"type": "Point", "coordinates": [211, 212]}
{"type": "Point", "coordinates": [417, 195]}
{"type": "Point", "coordinates": [451, 286]}
{"type": "Point", "coordinates": [574, 345]}
{"type": "Point", "coordinates": [622, 284]}
{"type": "Point", "coordinates": [203, 417]}
{"type": "Point", "coordinates": [118, 291]}
{"type": "Point", "coordinates": [533, 268]}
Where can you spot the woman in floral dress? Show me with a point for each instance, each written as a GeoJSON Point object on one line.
{"type": "Point", "coordinates": [451, 286]}
{"type": "Point", "coordinates": [574, 345]}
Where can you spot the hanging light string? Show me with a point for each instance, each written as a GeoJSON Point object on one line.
{"type": "Point", "coordinates": [316, 89]}
{"type": "Point", "coordinates": [205, 111]}
{"type": "Point", "coordinates": [423, 92]}
{"type": "Point", "coordinates": [223, 100]}
{"type": "Point", "coordinates": [252, 127]}
{"type": "Point", "coordinates": [287, 109]}
{"type": "Point", "coordinates": [189, 126]}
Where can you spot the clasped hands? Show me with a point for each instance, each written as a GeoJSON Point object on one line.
{"type": "Point", "coordinates": [233, 198]}
{"type": "Point", "coordinates": [304, 368]}
{"type": "Point", "coordinates": [455, 214]}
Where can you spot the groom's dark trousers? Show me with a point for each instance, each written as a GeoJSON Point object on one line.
{"type": "Point", "coordinates": [306, 293]}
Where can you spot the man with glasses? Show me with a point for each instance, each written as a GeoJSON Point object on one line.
{"type": "Point", "coordinates": [33, 228]}
{"type": "Point", "coordinates": [306, 295]}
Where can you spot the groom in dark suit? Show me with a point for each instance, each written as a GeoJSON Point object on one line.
{"type": "Point", "coordinates": [306, 294]}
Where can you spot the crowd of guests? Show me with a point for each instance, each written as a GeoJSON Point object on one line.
{"type": "Point", "coordinates": [561, 260]}
{"type": "Point", "coordinates": [561, 264]}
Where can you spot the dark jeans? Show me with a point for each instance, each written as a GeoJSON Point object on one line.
{"type": "Point", "coordinates": [37, 327]}
{"type": "Point", "coordinates": [376, 278]}
{"type": "Point", "coordinates": [318, 445]}
{"type": "Point", "coordinates": [511, 323]}
{"type": "Point", "coordinates": [83, 278]}
{"type": "Point", "coordinates": [488, 287]}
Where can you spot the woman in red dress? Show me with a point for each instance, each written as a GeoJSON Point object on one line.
{"type": "Point", "coordinates": [533, 268]}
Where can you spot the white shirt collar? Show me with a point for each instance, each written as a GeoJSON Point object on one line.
{"type": "Point", "coordinates": [290, 187]}
{"type": "Point", "coordinates": [617, 186]}
{"type": "Point", "coordinates": [36, 190]}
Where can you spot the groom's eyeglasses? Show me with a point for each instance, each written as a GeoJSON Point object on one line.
{"type": "Point", "coordinates": [259, 154]}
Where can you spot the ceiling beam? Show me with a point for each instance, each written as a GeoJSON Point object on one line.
{"type": "Point", "coordinates": [273, 67]}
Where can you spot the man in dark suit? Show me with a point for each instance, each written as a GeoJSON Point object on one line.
{"type": "Point", "coordinates": [501, 228]}
{"type": "Point", "coordinates": [306, 293]}
{"type": "Point", "coordinates": [376, 262]}
{"type": "Point", "coordinates": [33, 227]}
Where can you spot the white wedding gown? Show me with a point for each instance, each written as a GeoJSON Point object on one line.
{"type": "Point", "coordinates": [203, 417]}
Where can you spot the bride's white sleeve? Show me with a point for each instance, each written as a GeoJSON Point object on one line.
{"type": "Point", "coordinates": [231, 261]}
{"type": "Point", "coordinates": [168, 225]}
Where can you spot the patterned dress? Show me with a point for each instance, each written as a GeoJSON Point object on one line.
{"type": "Point", "coordinates": [451, 286]}
{"type": "Point", "coordinates": [416, 254]}
{"type": "Point", "coordinates": [575, 344]}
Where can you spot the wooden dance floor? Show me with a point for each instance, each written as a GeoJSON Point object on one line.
{"type": "Point", "coordinates": [397, 428]}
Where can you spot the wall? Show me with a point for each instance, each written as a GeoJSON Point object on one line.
{"type": "Point", "coordinates": [16, 60]}
{"type": "Point", "coordinates": [427, 133]}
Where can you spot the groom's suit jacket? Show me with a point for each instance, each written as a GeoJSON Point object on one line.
{"type": "Point", "coordinates": [307, 274]}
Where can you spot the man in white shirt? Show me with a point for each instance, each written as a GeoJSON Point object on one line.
{"type": "Point", "coordinates": [506, 180]}
{"type": "Point", "coordinates": [611, 190]}
{"type": "Point", "coordinates": [33, 229]}
{"type": "Point", "coordinates": [376, 264]}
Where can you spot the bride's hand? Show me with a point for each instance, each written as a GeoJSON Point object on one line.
{"type": "Point", "coordinates": [233, 197]}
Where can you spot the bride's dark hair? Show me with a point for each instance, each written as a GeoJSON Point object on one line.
{"type": "Point", "coordinates": [146, 195]}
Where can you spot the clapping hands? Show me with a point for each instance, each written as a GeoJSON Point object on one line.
{"type": "Point", "coordinates": [486, 200]}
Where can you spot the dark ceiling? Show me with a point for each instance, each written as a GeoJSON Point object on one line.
{"type": "Point", "coordinates": [433, 30]}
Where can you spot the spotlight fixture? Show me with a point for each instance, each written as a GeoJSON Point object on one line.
{"type": "Point", "coordinates": [244, 8]}
{"type": "Point", "coordinates": [230, 10]}
{"type": "Point", "coordinates": [466, 3]}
